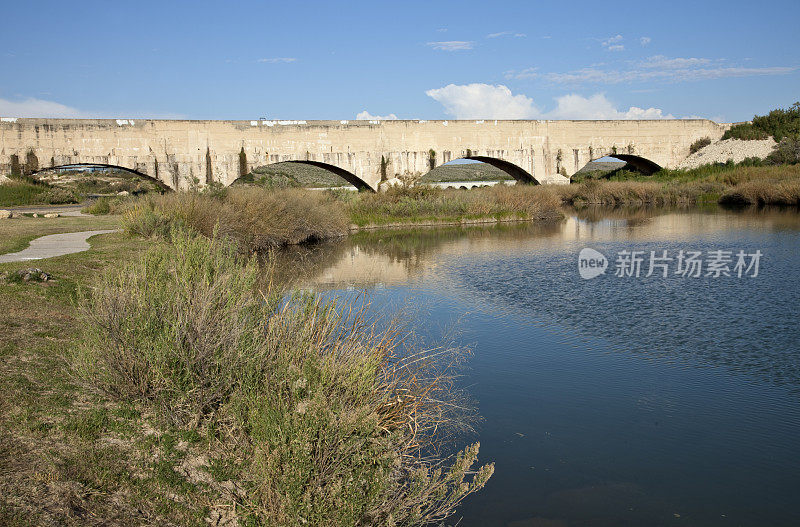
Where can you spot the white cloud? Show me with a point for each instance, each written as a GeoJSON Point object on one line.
{"type": "Point", "coordinates": [452, 45]}
{"type": "Point", "coordinates": [486, 101]}
{"type": "Point", "coordinates": [654, 68]}
{"type": "Point", "coordinates": [597, 106]}
{"type": "Point", "coordinates": [506, 34]}
{"type": "Point", "coordinates": [613, 43]}
{"type": "Point", "coordinates": [645, 40]}
{"type": "Point", "coordinates": [31, 107]}
{"type": "Point", "coordinates": [366, 116]}
{"type": "Point", "coordinates": [278, 60]}
{"type": "Point", "coordinates": [483, 101]}
{"type": "Point", "coordinates": [660, 61]}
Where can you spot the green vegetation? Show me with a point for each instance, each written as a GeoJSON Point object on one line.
{"type": "Point", "coordinates": [787, 152]}
{"type": "Point", "coordinates": [257, 219]}
{"type": "Point", "coordinates": [431, 205]}
{"type": "Point", "coordinates": [778, 123]}
{"type": "Point", "coordinates": [750, 182]}
{"type": "Point", "coordinates": [321, 416]}
{"type": "Point", "coordinates": [700, 143]}
{"type": "Point", "coordinates": [55, 187]}
{"type": "Point", "coordinates": [23, 190]}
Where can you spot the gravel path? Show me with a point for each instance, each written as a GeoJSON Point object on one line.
{"type": "Point", "coordinates": [735, 149]}
{"type": "Point", "coordinates": [53, 245]}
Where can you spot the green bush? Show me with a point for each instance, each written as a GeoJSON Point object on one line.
{"type": "Point", "coordinates": [778, 123]}
{"type": "Point", "coordinates": [99, 207]}
{"type": "Point", "coordinates": [17, 192]}
{"type": "Point", "coordinates": [700, 143]}
{"type": "Point", "coordinates": [787, 152]}
{"type": "Point", "coordinates": [59, 196]}
{"type": "Point", "coordinates": [328, 419]}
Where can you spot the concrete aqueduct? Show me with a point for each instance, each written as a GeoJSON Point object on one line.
{"type": "Point", "coordinates": [183, 153]}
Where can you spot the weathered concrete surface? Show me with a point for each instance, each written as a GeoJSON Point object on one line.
{"type": "Point", "coordinates": [186, 153]}
{"type": "Point", "coordinates": [53, 245]}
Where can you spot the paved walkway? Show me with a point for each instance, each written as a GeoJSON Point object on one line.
{"type": "Point", "coordinates": [63, 210]}
{"type": "Point", "coordinates": [53, 245]}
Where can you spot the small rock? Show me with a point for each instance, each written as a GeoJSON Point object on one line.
{"type": "Point", "coordinates": [35, 215]}
{"type": "Point", "coordinates": [5, 214]}
{"type": "Point", "coordinates": [123, 193]}
{"type": "Point", "coordinates": [31, 274]}
{"type": "Point", "coordinates": [52, 215]}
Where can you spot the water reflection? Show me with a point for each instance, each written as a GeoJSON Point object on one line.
{"type": "Point", "coordinates": [396, 256]}
{"type": "Point", "coordinates": [651, 401]}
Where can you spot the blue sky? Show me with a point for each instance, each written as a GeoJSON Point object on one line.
{"type": "Point", "coordinates": [427, 60]}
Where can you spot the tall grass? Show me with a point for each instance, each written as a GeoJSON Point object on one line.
{"type": "Point", "coordinates": [728, 183]}
{"type": "Point", "coordinates": [329, 418]}
{"type": "Point", "coordinates": [420, 204]}
{"type": "Point", "coordinates": [256, 219]}
{"type": "Point", "coordinates": [24, 191]}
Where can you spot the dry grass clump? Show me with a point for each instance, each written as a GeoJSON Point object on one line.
{"type": "Point", "coordinates": [743, 184]}
{"type": "Point", "coordinates": [326, 418]}
{"type": "Point", "coordinates": [622, 192]}
{"type": "Point", "coordinates": [763, 193]}
{"type": "Point", "coordinates": [419, 204]}
{"type": "Point", "coordinates": [256, 219]}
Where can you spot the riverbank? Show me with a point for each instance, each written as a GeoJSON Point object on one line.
{"type": "Point", "coordinates": [85, 436]}
{"type": "Point", "coordinates": [261, 220]}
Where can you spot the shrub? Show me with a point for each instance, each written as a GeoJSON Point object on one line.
{"type": "Point", "coordinates": [17, 192]}
{"type": "Point", "coordinates": [787, 152]}
{"type": "Point", "coordinates": [98, 207]}
{"type": "Point", "coordinates": [700, 143]}
{"type": "Point", "coordinates": [423, 203]}
{"type": "Point", "coordinates": [778, 123]}
{"type": "Point", "coordinates": [745, 132]}
{"type": "Point", "coordinates": [330, 419]}
{"type": "Point", "coordinates": [256, 219]}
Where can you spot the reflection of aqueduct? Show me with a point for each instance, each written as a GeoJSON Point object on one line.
{"type": "Point", "coordinates": [183, 153]}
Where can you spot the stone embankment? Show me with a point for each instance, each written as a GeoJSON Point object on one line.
{"type": "Point", "coordinates": [735, 149]}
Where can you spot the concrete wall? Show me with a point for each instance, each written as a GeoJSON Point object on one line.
{"type": "Point", "coordinates": [181, 153]}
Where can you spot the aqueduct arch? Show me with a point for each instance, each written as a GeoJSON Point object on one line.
{"type": "Point", "coordinates": [181, 154]}
{"type": "Point", "coordinates": [643, 165]}
{"type": "Point", "coordinates": [509, 168]}
{"type": "Point", "coordinates": [159, 183]}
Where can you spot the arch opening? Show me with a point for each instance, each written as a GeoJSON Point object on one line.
{"type": "Point", "coordinates": [100, 178]}
{"type": "Point", "coordinates": [641, 164]}
{"type": "Point", "coordinates": [477, 171]}
{"type": "Point", "coordinates": [310, 174]}
{"type": "Point", "coordinates": [607, 166]}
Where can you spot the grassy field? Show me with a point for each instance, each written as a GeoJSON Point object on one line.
{"type": "Point", "coordinates": [69, 456]}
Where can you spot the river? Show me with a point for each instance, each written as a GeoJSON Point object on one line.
{"type": "Point", "coordinates": [615, 400]}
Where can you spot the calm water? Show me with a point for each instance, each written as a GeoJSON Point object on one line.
{"type": "Point", "coordinates": [612, 401]}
